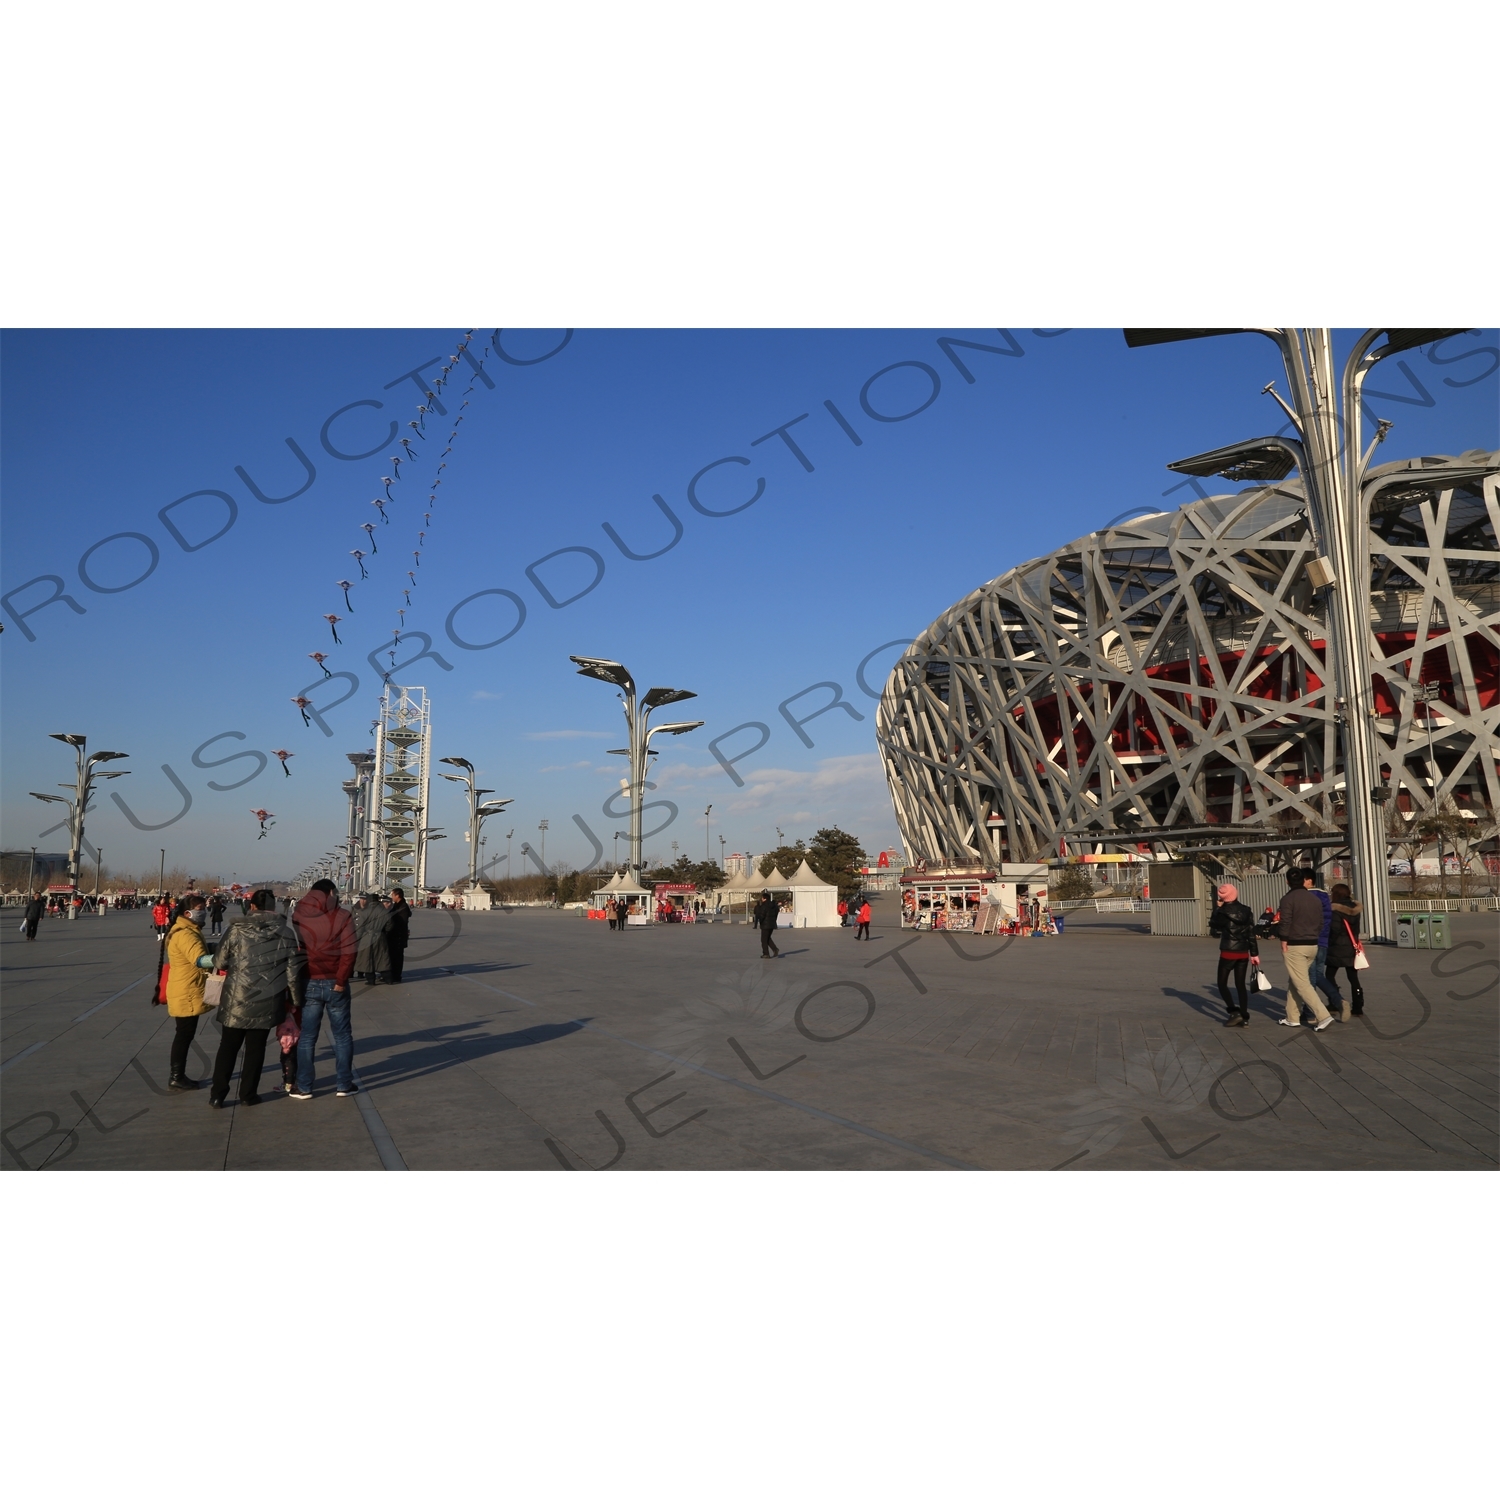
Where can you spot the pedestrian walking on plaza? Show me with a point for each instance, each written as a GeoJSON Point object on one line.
{"type": "Point", "coordinates": [330, 943]}
{"type": "Point", "coordinates": [863, 918]}
{"type": "Point", "coordinates": [189, 961]}
{"type": "Point", "coordinates": [216, 913]}
{"type": "Point", "coordinates": [612, 911]}
{"type": "Point", "coordinates": [1319, 971]}
{"type": "Point", "coordinates": [1299, 927]}
{"type": "Point", "coordinates": [765, 916]}
{"type": "Point", "coordinates": [372, 922]}
{"type": "Point", "coordinates": [1233, 923]}
{"type": "Point", "coordinates": [161, 917]}
{"type": "Point", "coordinates": [396, 938]}
{"type": "Point", "coordinates": [622, 912]}
{"type": "Point", "coordinates": [1344, 950]}
{"type": "Point", "coordinates": [36, 909]}
{"type": "Point", "coordinates": [265, 973]}
{"type": "Point", "coordinates": [843, 913]}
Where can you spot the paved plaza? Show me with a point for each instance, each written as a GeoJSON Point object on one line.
{"type": "Point", "coordinates": [533, 1040]}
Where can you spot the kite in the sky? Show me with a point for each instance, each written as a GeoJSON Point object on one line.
{"type": "Point", "coordinates": [346, 584]}
{"type": "Point", "coordinates": [418, 557]}
{"type": "Point", "coordinates": [416, 427]}
{"type": "Point", "coordinates": [369, 530]}
{"type": "Point", "coordinates": [333, 625]}
{"type": "Point", "coordinates": [303, 704]}
{"type": "Point", "coordinates": [410, 451]}
{"type": "Point", "coordinates": [320, 657]}
{"type": "Point", "coordinates": [265, 818]}
{"type": "Point", "coordinates": [396, 465]}
{"type": "Point", "coordinates": [359, 557]}
{"type": "Point", "coordinates": [380, 506]}
{"type": "Point", "coordinates": [283, 756]}
{"type": "Point", "coordinates": [388, 481]}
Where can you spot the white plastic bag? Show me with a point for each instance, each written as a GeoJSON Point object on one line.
{"type": "Point", "coordinates": [213, 990]}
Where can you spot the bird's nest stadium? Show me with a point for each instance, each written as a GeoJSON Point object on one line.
{"type": "Point", "coordinates": [1169, 673]}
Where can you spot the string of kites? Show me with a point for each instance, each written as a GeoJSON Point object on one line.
{"type": "Point", "coordinates": [409, 455]}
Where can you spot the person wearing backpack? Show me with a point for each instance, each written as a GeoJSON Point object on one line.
{"type": "Point", "coordinates": [1233, 923]}
{"type": "Point", "coordinates": [1344, 950]}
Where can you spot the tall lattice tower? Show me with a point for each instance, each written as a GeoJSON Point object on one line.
{"type": "Point", "coordinates": [403, 752]}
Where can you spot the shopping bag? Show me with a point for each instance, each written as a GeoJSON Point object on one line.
{"type": "Point", "coordinates": [1261, 982]}
{"type": "Point", "coordinates": [213, 990]}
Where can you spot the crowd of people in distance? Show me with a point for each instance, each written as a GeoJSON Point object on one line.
{"type": "Point", "coordinates": [1319, 936]}
{"type": "Point", "coordinates": [275, 971]}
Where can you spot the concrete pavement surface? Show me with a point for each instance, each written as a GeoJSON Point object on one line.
{"type": "Point", "coordinates": [533, 1040]}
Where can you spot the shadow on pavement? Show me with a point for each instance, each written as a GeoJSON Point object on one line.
{"type": "Point", "coordinates": [447, 1049]}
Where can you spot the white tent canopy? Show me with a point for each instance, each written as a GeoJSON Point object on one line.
{"type": "Point", "coordinates": [814, 900]}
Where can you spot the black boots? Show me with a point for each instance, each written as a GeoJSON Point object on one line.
{"type": "Point", "coordinates": [182, 1083]}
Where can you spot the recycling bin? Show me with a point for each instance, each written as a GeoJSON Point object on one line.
{"type": "Point", "coordinates": [1437, 930]}
{"type": "Point", "coordinates": [1420, 921]}
{"type": "Point", "coordinates": [1406, 929]}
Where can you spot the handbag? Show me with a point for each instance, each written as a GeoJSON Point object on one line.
{"type": "Point", "coordinates": [1360, 961]}
{"type": "Point", "coordinates": [1261, 982]}
{"type": "Point", "coordinates": [213, 990]}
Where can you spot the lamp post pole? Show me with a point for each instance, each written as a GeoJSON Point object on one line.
{"type": "Point", "coordinates": [31, 875]}
{"type": "Point", "coordinates": [478, 811]}
{"type": "Point", "coordinates": [98, 868]}
{"type": "Point", "coordinates": [638, 742]}
{"type": "Point", "coordinates": [542, 829]}
{"type": "Point", "coordinates": [78, 805]}
{"type": "Point", "coordinates": [1326, 411]}
{"type": "Point", "coordinates": [708, 855]}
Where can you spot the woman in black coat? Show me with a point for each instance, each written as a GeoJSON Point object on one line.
{"type": "Point", "coordinates": [1233, 923]}
{"type": "Point", "coordinates": [1342, 936]}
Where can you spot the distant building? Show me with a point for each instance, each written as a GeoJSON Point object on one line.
{"type": "Point", "coordinates": [738, 864]}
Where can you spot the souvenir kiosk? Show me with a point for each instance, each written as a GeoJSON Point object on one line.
{"type": "Point", "coordinates": [601, 898]}
{"type": "Point", "coordinates": [974, 898]}
{"type": "Point", "coordinates": [635, 898]}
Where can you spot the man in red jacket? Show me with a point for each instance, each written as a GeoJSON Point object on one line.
{"type": "Point", "coordinates": [326, 931]}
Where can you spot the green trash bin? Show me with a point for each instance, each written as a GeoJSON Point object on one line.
{"type": "Point", "coordinates": [1423, 931]}
{"type": "Point", "coordinates": [1437, 930]}
{"type": "Point", "coordinates": [1406, 930]}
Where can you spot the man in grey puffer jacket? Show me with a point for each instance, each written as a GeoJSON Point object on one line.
{"type": "Point", "coordinates": [265, 973]}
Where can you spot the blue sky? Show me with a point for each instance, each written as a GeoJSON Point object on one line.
{"type": "Point", "coordinates": [101, 430]}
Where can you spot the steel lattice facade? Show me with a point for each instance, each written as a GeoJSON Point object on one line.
{"type": "Point", "coordinates": [1171, 671]}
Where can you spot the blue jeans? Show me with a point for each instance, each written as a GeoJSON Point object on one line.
{"type": "Point", "coordinates": [321, 995]}
{"type": "Point", "coordinates": [1319, 976]}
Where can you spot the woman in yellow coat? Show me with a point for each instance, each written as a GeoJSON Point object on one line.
{"type": "Point", "coordinates": [189, 961]}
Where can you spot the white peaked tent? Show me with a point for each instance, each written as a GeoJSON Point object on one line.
{"type": "Point", "coordinates": [600, 899]}
{"type": "Point", "coordinates": [814, 902]}
{"type": "Point", "coordinates": [735, 891]}
{"type": "Point", "coordinates": [639, 898]}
